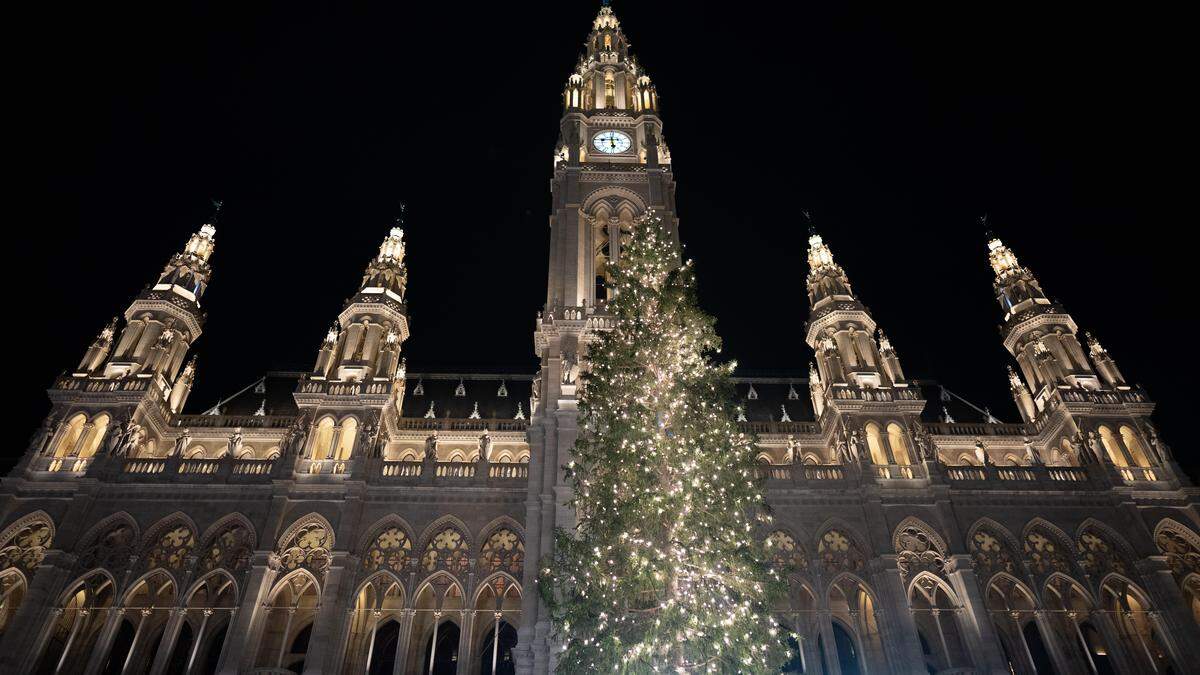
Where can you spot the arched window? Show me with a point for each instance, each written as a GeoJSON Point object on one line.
{"type": "Point", "coordinates": [148, 607]}
{"type": "Point", "coordinates": [899, 444]}
{"type": "Point", "coordinates": [859, 647]}
{"type": "Point", "coordinates": [69, 435]}
{"type": "Point", "coordinates": [207, 614]}
{"type": "Point", "coordinates": [346, 438]}
{"type": "Point", "coordinates": [22, 548]}
{"type": "Point", "coordinates": [375, 626]}
{"type": "Point", "coordinates": [74, 633]}
{"type": "Point", "coordinates": [322, 442]}
{"type": "Point", "coordinates": [497, 613]}
{"type": "Point", "coordinates": [434, 637]}
{"type": "Point", "coordinates": [287, 623]}
{"type": "Point", "coordinates": [1134, 446]}
{"type": "Point", "coordinates": [90, 444]}
{"type": "Point", "coordinates": [1113, 447]}
{"type": "Point", "coordinates": [934, 607]}
{"type": "Point", "coordinates": [875, 444]}
{"type": "Point", "coordinates": [1132, 614]}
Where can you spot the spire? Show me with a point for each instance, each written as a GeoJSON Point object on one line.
{"type": "Point", "coordinates": [387, 271]}
{"type": "Point", "coordinates": [826, 279]}
{"type": "Point", "coordinates": [189, 270]}
{"type": "Point", "coordinates": [1016, 287]}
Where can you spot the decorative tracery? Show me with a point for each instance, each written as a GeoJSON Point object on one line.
{"type": "Point", "coordinates": [503, 551]}
{"type": "Point", "coordinates": [918, 551]}
{"type": "Point", "coordinates": [112, 549]}
{"type": "Point", "coordinates": [307, 547]}
{"type": "Point", "coordinates": [171, 548]}
{"type": "Point", "coordinates": [446, 550]}
{"type": "Point", "coordinates": [839, 553]}
{"type": "Point", "coordinates": [1099, 555]}
{"type": "Point", "coordinates": [991, 553]}
{"type": "Point", "coordinates": [1046, 554]}
{"type": "Point", "coordinates": [230, 549]}
{"type": "Point", "coordinates": [785, 554]}
{"type": "Point", "coordinates": [392, 550]}
{"type": "Point", "coordinates": [1181, 550]}
{"type": "Point", "coordinates": [27, 547]}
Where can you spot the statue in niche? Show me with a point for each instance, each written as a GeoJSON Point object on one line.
{"type": "Point", "coordinates": [431, 447]}
{"type": "Point", "coordinates": [485, 446]}
{"type": "Point", "coordinates": [1031, 454]}
{"type": "Point", "coordinates": [981, 454]}
{"type": "Point", "coordinates": [132, 439]}
{"type": "Point", "coordinates": [235, 443]}
{"type": "Point", "coordinates": [1157, 446]}
{"type": "Point", "coordinates": [1083, 453]}
{"type": "Point", "coordinates": [570, 369]}
{"type": "Point", "coordinates": [37, 442]}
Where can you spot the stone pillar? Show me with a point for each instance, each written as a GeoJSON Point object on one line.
{"type": "Point", "coordinates": [530, 633]}
{"type": "Point", "coordinates": [403, 639]}
{"type": "Point", "coordinates": [825, 629]}
{"type": "Point", "coordinates": [241, 639]}
{"type": "Point", "coordinates": [982, 641]}
{"type": "Point", "coordinates": [334, 594]}
{"type": "Point", "coordinates": [1178, 630]}
{"type": "Point", "coordinates": [1063, 655]}
{"type": "Point", "coordinates": [29, 629]}
{"type": "Point", "coordinates": [466, 639]}
{"type": "Point", "coordinates": [170, 636]}
{"type": "Point", "coordinates": [108, 633]}
{"type": "Point", "coordinates": [899, 629]}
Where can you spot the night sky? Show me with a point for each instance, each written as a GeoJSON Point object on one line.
{"type": "Point", "coordinates": [897, 128]}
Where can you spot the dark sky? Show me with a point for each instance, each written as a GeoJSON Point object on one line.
{"type": "Point", "coordinates": [896, 127]}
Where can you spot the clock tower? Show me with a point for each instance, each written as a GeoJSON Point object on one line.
{"type": "Point", "coordinates": [611, 166]}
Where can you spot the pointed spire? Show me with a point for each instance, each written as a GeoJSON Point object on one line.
{"type": "Point", "coordinates": [1003, 260]}
{"type": "Point", "coordinates": [430, 414]}
{"type": "Point", "coordinates": [826, 279]}
{"type": "Point", "coordinates": [520, 412]}
{"type": "Point", "coordinates": [474, 412]}
{"type": "Point", "coordinates": [784, 417]}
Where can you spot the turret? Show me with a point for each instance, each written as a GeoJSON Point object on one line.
{"type": "Point", "coordinates": [1037, 331]}
{"type": "Point", "coordinates": [841, 330]}
{"type": "Point", "coordinates": [1105, 365]}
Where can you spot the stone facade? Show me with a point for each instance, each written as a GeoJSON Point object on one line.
{"type": "Point", "coordinates": [360, 518]}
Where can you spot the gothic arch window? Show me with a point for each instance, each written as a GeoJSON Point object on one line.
{"type": "Point", "coordinates": [852, 605]}
{"type": "Point", "coordinates": [838, 552]}
{"type": "Point", "coordinates": [306, 545]}
{"type": "Point", "coordinates": [287, 622]}
{"type": "Point", "coordinates": [1070, 612]}
{"type": "Point", "coordinates": [992, 550]}
{"type": "Point", "coordinates": [1137, 627]}
{"type": "Point", "coordinates": [73, 634]}
{"type": "Point", "coordinates": [1013, 610]}
{"type": "Point", "coordinates": [148, 607]}
{"type": "Point", "coordinates": [90, 442]}
{"type": "Point", "coordinates": [1181, 547]}
{"type": "Point", "coordinates": [23, 545]}
{"type": "Point", "coordinates": [209, 608]}
{"type": "Point", "coordinates": [391, 550]}
{"type": "Point", "coordinates": [110, 545]}
{"type": "Point", "coordinates": [68, 436]}
{"type": "Point", "coordinates": [1102, 552]}
{"type": "Point", "coordinates": [1047, 550]}
{"type": "Point", "coordinates": [227, 546]}
{"type": "Point", "coordinates": [1134, 445]}
{"type": "Point", "coordinates": [935, 609]}
{"type": "Point", "coordinates": [448, 549]}
{"type": "Point", "coordinates": [375, 625]}
{"type": "Point", "coordinates": [784, 554]}
{"type": "Point", "coordinates": [503, 551]}
{"type": "Point", "coordinates": [168, 546]}
{"type": "Point", "coordinates": [347, 434]}
{"type": "Point", "coordinates": [1112, 447]}
{"type": "Point", "coordinates": [899, 443]}
{"type": "Point", "coordinates": [875, 444]}
{"type": "Point", "coordinates": [436, 604]}
{"type": "Point", "coordinates": [918, 549]}
{"type": "Point", "coordinates": [497, 613]}
{"type": "Point", "coordinates": [322, 443]}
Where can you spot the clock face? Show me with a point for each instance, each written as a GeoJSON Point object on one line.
{"type": "Point", "coordinates": [611, 142]}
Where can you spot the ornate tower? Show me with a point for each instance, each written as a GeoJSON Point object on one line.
{"type": "Point", "coordinates": [354, 392]}
{"type": "Point", "coordinates": [611, 166]}
{"type": "Point", "coordinates": [1102, 417]}
{"type": "Point", "coordinates": [858, 374]}
{"type": "Point", "coordinates": [130, 381]}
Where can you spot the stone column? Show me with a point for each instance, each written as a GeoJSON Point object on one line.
{"type": "Point", "coordinates": [403, 639]}
{"type": "Point", "coordinates": [29, 629]}
{"type": "Point", "coordinates": [899, 629]}
{"type": "Point", "coordinates": [332, 611]}
{"type": "Point", "coordinates": [108, 633]}
{"type": "Point", "coordinates": [1179, 633]}
{"type": "Point", "coordinates": [170, 636]}
{"type": "Point", "coordinates": [1062, 655]}
{"type": "Point", "coordinates": [825, 629]}
{"type": "Point", "coordinates": [466, 639]}
{"type": "Point", "coordinates": [982, 640]}
{"type": "Point", "coordinates": [241, 639]}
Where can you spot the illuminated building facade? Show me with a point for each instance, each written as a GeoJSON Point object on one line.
{"type": "Point", "coordinates": [356, 517]}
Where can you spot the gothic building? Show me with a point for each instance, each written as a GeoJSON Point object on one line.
{"type": "Point", "coordinates": [356, 517]}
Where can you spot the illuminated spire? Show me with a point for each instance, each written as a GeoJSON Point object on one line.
{"type": "Point", "coordinates": [387, 271]}
{"type": "Point", "coordinates": [826, 280]}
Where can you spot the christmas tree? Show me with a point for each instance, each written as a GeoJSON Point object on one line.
{"type": "Point", "coordinates": [665, 571]}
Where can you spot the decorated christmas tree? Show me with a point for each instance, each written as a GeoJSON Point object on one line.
{"type": "Point", "coordinates": [665, 571]}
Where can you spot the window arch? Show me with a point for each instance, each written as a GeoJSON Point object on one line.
{"type": "Point", "coordinates": [899, 444]}
{"type": "Point", "coordinates": [1134, 445]}
{"type": "Point", "coordinates": [90, 443]}
{"type": "Point", "coordinates": [23, 545]}
{"type": "Point", "coordinates": [1112, 447]}
{"type": "Point", "coordinates": [375, 625]}
{"type": "Point", "coordinates": [935, 610]}
{"type": "Point", "coordinates": [68, 436]}
{"type": "Point", "coordinates": [322, 443]}
{"type": "Point", "coordinates": [287, 622]}
{"type": "Point", "coordinates": [347, 434]}
{"type": "Point", "coordinates": [875, 444]}
{"type": "Point", "coordinates": [74, 633]}
{"type": "Point", "coordinates": [1136, 626]}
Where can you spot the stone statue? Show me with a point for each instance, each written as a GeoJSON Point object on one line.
{"type": "Point", "coordinates": [1157, 446]}
{"type": "Point", "coordinates": [182, 442]}
{"type": "Point", "coordinates": [570, 369]}
{"type": "Point", "coordinates": [133, 437]}
{"type": "Point", "coordinates": [981, 454]}
{"type": "Point", "coordinates": [1079, 444]}
{"type": "Point", "coordinates": [1093, 446]}
{"type": "Point", "coordinates": [116, 438]}
{"type": "Point", "coordinates": [431, 447]}
{"type": "Point", "coordinates": [485, 446]}
{"type": "Point", "coordinates": [235, 443]}
{"type": "Point", "coordinates": [37, 442]}
{"type": "Point", "coordinates": [793, 450]}
{"type": "Point", "coordinates": [1031, 454]}
{"type": "Point", "coordinates": [856, 448]}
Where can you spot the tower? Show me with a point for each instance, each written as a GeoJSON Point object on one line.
{"type": "Point", "coordinates": [131, 379]}
{"type": "Point", "coordinates": [1102, 416]}
{"type": "Point", "coordinates": [611, 166]}
{"type": "Point", "coordinates": [356, 387]}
